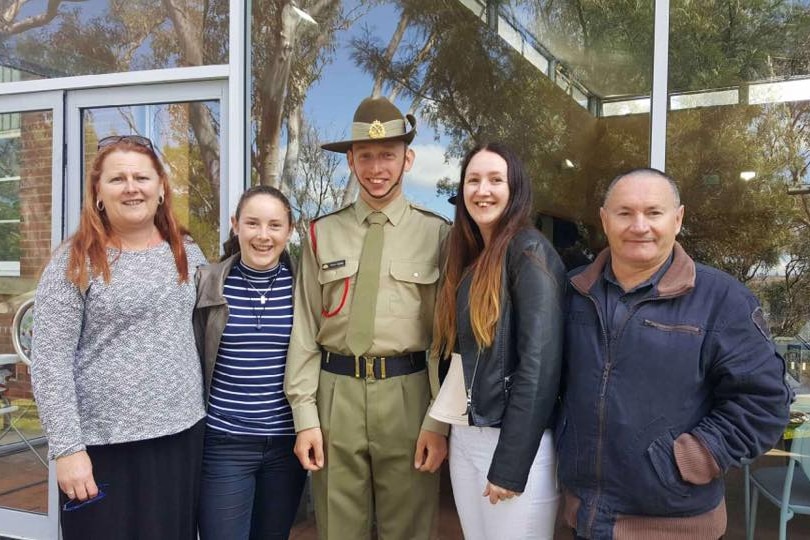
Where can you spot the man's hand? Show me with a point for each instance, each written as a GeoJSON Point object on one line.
{"type": "Point", "coordinates": [431, 449]}
{"type": "Point", "coordinates": [497, 493]}
{"type": "Point", "coordinates": [309, 449]}
{"type": "Point", "coordinates": [74, 473]}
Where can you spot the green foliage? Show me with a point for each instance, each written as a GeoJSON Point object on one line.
{"type": "Point", "coordinates": [472, 86]}
{"type": "Point", "coordinates": [9, 241]}
{"type": "Point", "coordinates": [446, 187]}
{"type": "Point", "coordinates": [719, 43]}
{"type": "Point", "coordinates": [196, 199]}
{"type": "Point", "coordinates": [788, 295]}
{"type": "Point", "coordinates": [110, 37]}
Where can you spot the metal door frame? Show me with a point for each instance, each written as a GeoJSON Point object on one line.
{"type": "Point", "coordinates": [17, 523]}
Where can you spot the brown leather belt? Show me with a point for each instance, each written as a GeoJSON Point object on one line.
{"type": "Point", "coordinates": [373, 367]}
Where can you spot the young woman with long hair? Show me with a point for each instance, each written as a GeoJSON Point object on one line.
{"type": "Point", "coordinates": [500, 310]}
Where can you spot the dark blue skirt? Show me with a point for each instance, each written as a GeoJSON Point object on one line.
{"type": "Point", "coordinates": [150, 490]}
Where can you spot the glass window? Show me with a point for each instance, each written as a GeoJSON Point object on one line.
{"type": "Point", "coordinates": [738, 142]}
{"type": "Point", "coordinates": [9, 194]}
{"type": "Point", "coordinates": [540, 76]}
{"type": "Point", "coordinates": [43, 39]}
{"type": "Point", "coordinates": [26, 177]}
{"type": "Point", "coordinates": [186, 138]}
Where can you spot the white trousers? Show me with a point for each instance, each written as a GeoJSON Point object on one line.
{"type": "Point", "coordinates": [530, 516]}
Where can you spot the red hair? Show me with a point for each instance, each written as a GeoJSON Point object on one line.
{"type": "Point", "coordinates": [90, 241]}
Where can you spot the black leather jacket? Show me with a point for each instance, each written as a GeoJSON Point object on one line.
{"type": "Point", "coordinates": [514, 383]}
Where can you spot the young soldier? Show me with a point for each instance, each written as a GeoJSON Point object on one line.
{"type": "Point", "coordinates": [356, 377]}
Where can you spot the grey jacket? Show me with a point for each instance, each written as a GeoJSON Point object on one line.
{"type": "Point", "coordinates": [211, 311]}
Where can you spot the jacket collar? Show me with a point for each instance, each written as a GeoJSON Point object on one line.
{"type": "Point", "coordinates": [212, 296]}
{"type": "Point", "coordinates": [678, 279]}
{"type": "Point", "coordinates": [208, 296]}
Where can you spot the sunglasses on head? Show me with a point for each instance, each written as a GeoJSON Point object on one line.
{"type": "Point", "coordinates": [134, 139]}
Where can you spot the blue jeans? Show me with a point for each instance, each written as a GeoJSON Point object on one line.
{"type": "Point", "coordinates": [251, 487]}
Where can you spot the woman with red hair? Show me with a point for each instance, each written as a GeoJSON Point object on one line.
{"type": "Point", "coordinates": [116, 374]}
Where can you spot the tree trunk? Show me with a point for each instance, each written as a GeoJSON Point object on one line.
{"type": "Point", "coordinates": [393, 45]}
{"type": "Point", "coordinates": [33, 21]}
{"type": "Point", "coordinates": [189, 37]}
{"type": "Point", "coordinates": [273, 90]}
{"type": "Point", "coordinates": [290, 172]}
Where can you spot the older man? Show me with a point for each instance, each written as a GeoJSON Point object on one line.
{"type": "Point", "coordinates": [356, 377]}
{"type": "Point", "coordinates": [670, 378]}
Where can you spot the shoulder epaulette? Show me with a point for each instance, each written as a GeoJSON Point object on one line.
{"type": "Point", "coordinates": [332, 213]}
{"type": "Point", "coordinates": [313, 238]}
{"type": "Point", "coordinates": [430, 212]}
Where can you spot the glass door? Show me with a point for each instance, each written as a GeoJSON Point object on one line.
{"type": "Point", "coordinates": [30, 226]}
{"type": "Point", "coordinates": [47, 140]}
{"type": "Point", "coordinates": [184, 121]}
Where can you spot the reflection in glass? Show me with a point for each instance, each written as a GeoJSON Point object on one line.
{"type": "Point", "coordinates": [186, 138]}
{"type": "Point", "coordinates": [9, 244]}
{"type": "Point", "coordinates": [604, 47]}
{"type": "Point", "coordinates": [25, 233]}
{"type": "Point", "coordinates": [532, 74]}
{"type": "Point", "coordinates": [41, 39]}
{"type": "Point", "coordinates": [738, 142]}
{"type": "Point", "coordinates": [715, 45]}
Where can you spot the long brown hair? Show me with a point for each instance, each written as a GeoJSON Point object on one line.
{"type": "Point", "coordinates": [466, 252]}
{"type": "Point", "coordinates": [90, 241]}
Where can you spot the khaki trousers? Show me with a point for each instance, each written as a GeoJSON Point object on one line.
{"type": "Point", "coordinates": [370, 430]}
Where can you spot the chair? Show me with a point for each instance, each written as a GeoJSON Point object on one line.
{"type": "Point", "coordinates": [21, 339]}
{"type": "Point", "coordinates": [788, 487]}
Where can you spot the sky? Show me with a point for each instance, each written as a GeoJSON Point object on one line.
{"type": "Point", "coordinates": [332, 100]}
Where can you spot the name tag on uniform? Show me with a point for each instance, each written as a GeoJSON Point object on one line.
{"type": "Point", "coordinates": [333, 264]}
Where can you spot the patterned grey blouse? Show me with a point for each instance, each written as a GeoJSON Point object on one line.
{"type": "Point", "coordinates": [116, 363]}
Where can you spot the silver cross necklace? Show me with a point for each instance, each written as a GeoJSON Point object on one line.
{"type": "Point", "coordinates": [262, 294]}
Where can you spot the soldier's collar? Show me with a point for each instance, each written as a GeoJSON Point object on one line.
{"type": "Point", "coordinates": [394, 211]}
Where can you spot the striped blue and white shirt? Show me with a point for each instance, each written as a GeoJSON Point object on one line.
{"type": "Point", "coordinates": [247, 395]}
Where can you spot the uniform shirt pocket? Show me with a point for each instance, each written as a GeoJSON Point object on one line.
{"type": "Point", "coordinates": [410, 280]}
{"type": "Point", "coordinates": [335, 284]}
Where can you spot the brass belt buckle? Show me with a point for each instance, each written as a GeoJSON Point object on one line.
{"type": "Point", "coordinates": [369, 368]}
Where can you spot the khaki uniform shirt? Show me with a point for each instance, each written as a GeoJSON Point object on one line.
{"type": "Point", "coordinates": [323, 298]}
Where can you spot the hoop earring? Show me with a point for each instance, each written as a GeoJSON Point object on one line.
{"type": "Point", "coordinates": [99, 205]}
{"type": "Point", "coordinates": [161, 198]}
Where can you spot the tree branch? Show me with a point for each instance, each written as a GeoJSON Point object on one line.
{"type": "Point", "coordinates": [34, 21]}
{"type": "Point", "coordinates": [393, 45]}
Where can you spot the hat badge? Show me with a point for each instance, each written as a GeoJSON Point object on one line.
{"type": "Point", "coordinates": [376, 130]}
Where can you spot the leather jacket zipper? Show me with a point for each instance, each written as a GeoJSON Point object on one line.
{"type": "Point", "coordinates": [472, 382]}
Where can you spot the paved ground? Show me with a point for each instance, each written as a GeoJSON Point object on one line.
{"type": "Point", "coordinates": [23, 484]}
{"type": "Point", "coordinates": [767, 518]}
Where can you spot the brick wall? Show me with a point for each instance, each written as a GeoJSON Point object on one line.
{"type": "Point", "coordinates": [35, 192]}
{"type": "Point", "coordinates": [36, 151]}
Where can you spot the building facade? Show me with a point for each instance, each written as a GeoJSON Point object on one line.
{"type": "Point", "coordinates": [234, 93]}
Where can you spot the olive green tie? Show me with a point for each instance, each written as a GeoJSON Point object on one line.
{"type": "Point", "coordinates": [360, 332]}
